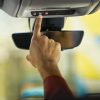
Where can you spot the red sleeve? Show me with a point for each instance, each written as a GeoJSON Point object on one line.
{"type": "Point", "coordinates": [55, 88]}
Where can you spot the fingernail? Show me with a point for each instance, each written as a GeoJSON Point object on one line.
{"type": "Point", "coordinates": [40, 16]}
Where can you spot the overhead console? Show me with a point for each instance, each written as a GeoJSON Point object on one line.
{"type": "Point", "coordinates": [49, 8]}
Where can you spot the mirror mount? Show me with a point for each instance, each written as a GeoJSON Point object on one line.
{"type": "Point", "coordinates": [50, 24]}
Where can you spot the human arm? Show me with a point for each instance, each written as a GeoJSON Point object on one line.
{"type": "Point", "coordinates": [44, 55]}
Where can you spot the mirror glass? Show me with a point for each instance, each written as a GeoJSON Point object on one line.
{"type": "Point", "coordinates": [67, 39]}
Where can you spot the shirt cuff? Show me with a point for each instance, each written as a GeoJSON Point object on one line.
{"type": "Point", "coordinates": [54, 83]}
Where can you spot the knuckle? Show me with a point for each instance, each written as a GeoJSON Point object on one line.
{"type": "Point", "coordinates": [58, 45]}
{"type": "Point", "coordinates": [45, 37]}
{"type": "Point", "coordinates": [51, 40]}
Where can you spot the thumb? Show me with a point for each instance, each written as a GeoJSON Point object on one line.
{"type": "Point", "coordinates": [28, 57]}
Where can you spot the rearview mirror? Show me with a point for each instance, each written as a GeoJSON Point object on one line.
{"type": "Point", "coordinates": [67, 39]}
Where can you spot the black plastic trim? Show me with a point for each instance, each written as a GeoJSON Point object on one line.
{"type": "Point", "coordinates": [19, 7]}
{"type": "Point", "coordinates": [96, 8]}
{"type": "Point", "coordinates": [1, 3]}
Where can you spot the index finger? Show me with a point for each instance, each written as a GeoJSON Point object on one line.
{"type": "Point", "coordinates": [37, 28]}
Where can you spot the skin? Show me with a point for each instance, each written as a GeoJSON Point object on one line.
{"type": "Point", "coordinates": [44, 53]}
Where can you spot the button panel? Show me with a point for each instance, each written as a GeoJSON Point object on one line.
{"type": "Point", "coordinates": [53, 12]}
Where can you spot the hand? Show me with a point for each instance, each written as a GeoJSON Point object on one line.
{"type": "Point", "coordinates": [44, 53]}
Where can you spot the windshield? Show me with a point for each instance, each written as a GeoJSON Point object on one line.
{"type": "Point", "coordinates": [79, 66]}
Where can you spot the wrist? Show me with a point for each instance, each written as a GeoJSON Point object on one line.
{"type": "Point", "coordinates": [49, 68]}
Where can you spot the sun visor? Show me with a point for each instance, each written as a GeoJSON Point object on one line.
{"type": "Point", "coordinates": [49, 8]}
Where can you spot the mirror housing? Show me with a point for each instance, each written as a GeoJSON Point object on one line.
{"type": "Point", "coordinates": [67, 39]}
